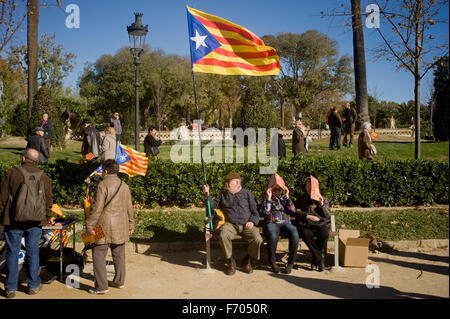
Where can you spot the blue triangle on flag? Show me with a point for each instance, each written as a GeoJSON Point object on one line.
{"type": "Point", "coordinates": [121, 155]}
{"type": "Point", "coordinates": [201, 41]}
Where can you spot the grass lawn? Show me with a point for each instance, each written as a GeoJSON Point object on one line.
{"type": "Point", "coordinates": [187, 225]}
{"type": "Point", "coordinates": [388, 147]}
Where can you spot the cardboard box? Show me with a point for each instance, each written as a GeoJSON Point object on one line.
{"type": "Point", "coordinates": [353, 251]}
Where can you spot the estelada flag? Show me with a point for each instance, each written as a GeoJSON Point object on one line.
{"type": "Point", "coordinates": [315, 191]}
{"type": "Point", "coordinates": [277, 180]}
{"type": "Point", "coordinates": [222, 47]}
{"type": "Point", "coordinates": [131, 161]}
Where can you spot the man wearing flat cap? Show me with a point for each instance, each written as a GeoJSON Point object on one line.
{"type": "Point", "coordinates": [91, 140]}
{"type": "Point", "coordinates": [37, 142]}
{"type": "Point", "coordinates": [241, 217]}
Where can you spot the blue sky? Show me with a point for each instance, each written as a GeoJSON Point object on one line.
{"type": "Point", "coordinates": [103, 31]}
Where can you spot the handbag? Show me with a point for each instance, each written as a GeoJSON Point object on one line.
{"type": "Point", "coordinates": [154, 150]}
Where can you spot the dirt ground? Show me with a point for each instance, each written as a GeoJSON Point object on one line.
{"type": "Point", "coordinates": [413, 273]}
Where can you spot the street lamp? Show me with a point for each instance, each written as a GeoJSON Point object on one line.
{"type": "Point", "coordinates": [137, 33]}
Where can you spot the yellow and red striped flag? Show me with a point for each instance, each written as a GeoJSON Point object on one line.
{"type": "Point", "coordinates": [222, 47]}
{"type": "Point", "coordinates": [131, 161]}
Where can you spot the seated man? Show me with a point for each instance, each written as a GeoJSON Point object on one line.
{"type": "Point", "coordinates": [241, 217]}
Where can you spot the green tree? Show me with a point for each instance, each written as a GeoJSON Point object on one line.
{"type": "Point", "coordinates": [53, 63]}
{"type": "Point", "coordinates": [309, 66]}
{"type": "Point", "coordinates": [12, 90]}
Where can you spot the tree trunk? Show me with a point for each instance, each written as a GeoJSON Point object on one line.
{"type": "Point", "coordinates": [282, 113]}
{"type": "Point", "coordinates": [417, 80]}
{"type": "Point", "coordinates": [417, 112]}
{"type": "Point", "coordinates": [359, 61]}
{"type": "Point", "coordinates": [32, 46]}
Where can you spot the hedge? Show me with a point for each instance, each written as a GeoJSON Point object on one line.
{"type": "Point", "coordinates": [346, 182]}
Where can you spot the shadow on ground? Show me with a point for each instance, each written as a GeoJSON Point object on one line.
{"type": "Point", "coordinates": [348, 290]}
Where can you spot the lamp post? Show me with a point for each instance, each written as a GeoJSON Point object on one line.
{"type": "Point", "coordinates": [137, 33]}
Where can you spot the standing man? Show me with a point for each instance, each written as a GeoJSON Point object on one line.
{"type": "Point", "coordinates": [91, 141]}
{"type": "Point", "coordinates": [349, 118]}
{"type": "Point", "coordinates": [113, 210]}
{"type": "Point", "coordinates": [47, 126]}
{"type": "Point", "coordinates": [241, 218]}
{"type": "Point", "coordinates": [298, 139]}
{"type": "Point", "coordinates": [151, 144]}
{"type": "Point", "coordinates": [37, 142]}
{"type": "Point", "coordinates": [25, 206]}
{"type": "Point", "coordinates": [335, 122]}
{"type": "Point", "coordinates": [278, 144]}
{"type": "Point", "coordinates": [115, 122]}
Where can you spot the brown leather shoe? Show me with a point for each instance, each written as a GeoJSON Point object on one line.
{"type": "Point", "coordinates": [248, 267]}
{"type": "Point", "coordinates": [231, 270]}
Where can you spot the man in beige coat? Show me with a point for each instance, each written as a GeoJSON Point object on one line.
{"type": "Point", "coordinates": [113, 210]}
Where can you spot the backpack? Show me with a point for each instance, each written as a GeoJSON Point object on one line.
{"type": "Point", "coordinates": [29, 203]}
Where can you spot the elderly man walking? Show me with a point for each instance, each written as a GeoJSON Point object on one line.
{"type": "Point", "coordinates": [113, 210]}
{"type": "Point", "coordinates": [25, 205]}
{"type": "Point", "coordinates": [241, 218]}
{"type": "Point", "coordinates": [298, 139]}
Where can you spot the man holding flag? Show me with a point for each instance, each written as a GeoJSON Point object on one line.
{"type": "Point", "coordinates": [219, 46]}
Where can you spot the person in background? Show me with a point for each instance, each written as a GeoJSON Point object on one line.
{"type": "Point", "coordinates": [365, 142]}
{"type": "Point", "coordinates": [108, 145]}
{"type": "Point", "coordinates": [91, 140]}
{"type": "Point", "coordinates": [47, 126]}
{"type": "Point", "coordinates": [151, 144]}
{"type": "Point", "coordinates": [349, 118]}
{"type": "Point", "coordinates": [312, 217]}
{"type": "Point", "coordinates": [10, 186]}
{"type": "Point", "coordinates": [277, 208]}
{"type": "Point", "coordinates": [241, 218]}
{"type": "Point", "coordinates": [115, 123]}
{"type": "Point", "coordinates": [278, 144]}
{"type": "Point", "coordinates": [298, 139]}
{"type": "Point", "coordinates": [112, 208]}
{"type": "Point", "coordinates": [335, 122]}
{"type": "Point", "coordinates": [37, 142]}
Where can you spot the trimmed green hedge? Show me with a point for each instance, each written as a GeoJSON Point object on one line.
{"type": "Point", "coordinates": [346, 182]}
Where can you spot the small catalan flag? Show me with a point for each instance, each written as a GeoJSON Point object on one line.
{"type": "Point", "coordinates": [222, 47]}
{"type": "Point", "coordinates": [131, 161]}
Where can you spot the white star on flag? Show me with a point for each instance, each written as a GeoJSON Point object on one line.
{"type": "Point", "coordinates": [199, 40]}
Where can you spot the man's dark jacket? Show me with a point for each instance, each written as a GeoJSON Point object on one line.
{"type": "Point", "coordinates": [279, 144]}
{"type": "Point", "coordinates": [334, 120]}
{"type": "Point", "coordinates": [37, 142]}
{"type": "Point", "coordinates": [90, 133]}
{"type": "Point", "coordinates": [150, 141]}
{"type": "Point", "coordinates": [47, 126]}
{"type": "Point", "coordinates": [10, 184]}
{"type": "Point", "coordinates": [350, 117]}
{"type": "Point", "coordinates": [238, 208]}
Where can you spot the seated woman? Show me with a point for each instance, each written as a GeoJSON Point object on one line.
{"type": "Point", "coordinates": [276, 207]}
{"type": "Point", "coordinates": [312, 217]}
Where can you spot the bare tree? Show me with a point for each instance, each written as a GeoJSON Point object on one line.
{"type": "Point", "coordinates": [411, 43]}
{"type": "Point", "coordinates": [10, 22]}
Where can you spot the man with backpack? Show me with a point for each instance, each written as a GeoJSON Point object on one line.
{"type": "Point", "coordinates": [25, 205]}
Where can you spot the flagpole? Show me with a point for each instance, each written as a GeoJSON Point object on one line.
{"type": "Point", "coordinates": [209, 225]}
